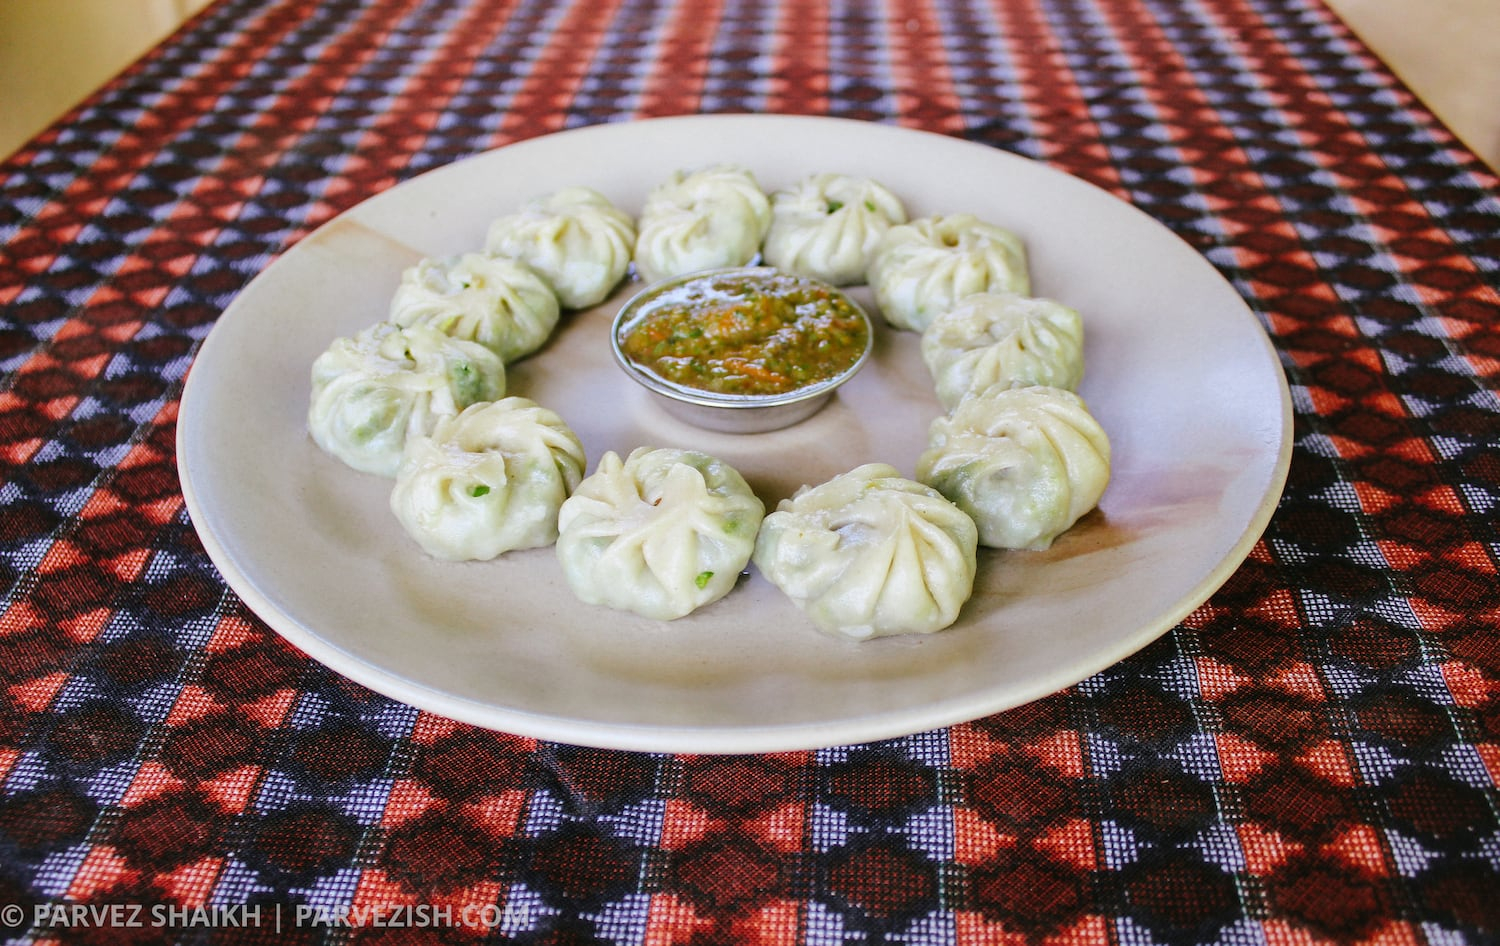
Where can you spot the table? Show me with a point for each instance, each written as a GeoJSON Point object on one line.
{"type": "Point", "coordinates": [1311, 756]}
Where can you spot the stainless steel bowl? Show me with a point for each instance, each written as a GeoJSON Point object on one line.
{"type": "Point", "coordinates": [731, 413]}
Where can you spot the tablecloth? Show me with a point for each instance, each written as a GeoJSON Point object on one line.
{"type": "Point", "coordinates": [1310, 757]}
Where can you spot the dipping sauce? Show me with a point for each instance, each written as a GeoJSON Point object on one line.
{"type": "Point", "coordinates": [746, 332]}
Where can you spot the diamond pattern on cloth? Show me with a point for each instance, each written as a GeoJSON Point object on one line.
{"type": "Point", "coordinates": [1311, 756]}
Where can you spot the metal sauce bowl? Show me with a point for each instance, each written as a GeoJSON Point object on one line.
{"type": "Point", "coordinates": [730, 413]}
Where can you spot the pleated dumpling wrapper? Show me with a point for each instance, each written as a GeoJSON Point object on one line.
{"type": "Point", "coordinates": [826, 226]}
{"type": "Point", "coordinates": [375, 390]}
{"type": "Point", "coordinates": [870, 554]}
{"type": "Point", "coordinates": [920, 269]}
{"type": "Point", "coordinates": [661, 533]}
{"type": "Point", "coordinates": [575, 238]}
{"type": "Point", "coordinates": [488, 481]}
{"type": "Point", "coordinates": [710, 218]}
{"type": "Point", "coordinates": [499, 302]}
{"type": "Point", "coordinates": [1025, 463]}
{"type": "Point", "coordinates": [1000, 339]}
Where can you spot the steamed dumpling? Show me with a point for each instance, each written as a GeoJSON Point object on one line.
{"type": "Point", "coordinates": [661, 533]}
{"type": "Point", "coordinates": [870, 553]}
{"type": "Point", "coordinates": [374, 391]}
{"type": "Point", "coordinates": [498, 302]}
{"type": "Point", "coordinates": [1026, 463]}
{"type": "Point", "coordinates": [827, 225]}
{"type": "Point", "coordinates": [575, 238]}
{"type": "Point", "coordinates": [706, 219]}
{"type": "Point", "coordinates": [922, 268]}
{"type": "Point", "coordinates": [487, 481]}
{"type": "Point", "coordinates": [1003, 339]}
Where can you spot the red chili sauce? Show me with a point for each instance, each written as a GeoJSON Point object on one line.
{"type": "Point", "coordinates": [761, 332]}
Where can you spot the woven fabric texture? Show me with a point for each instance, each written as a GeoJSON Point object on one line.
{"type": "Point", "coordinates": [1311, 757]}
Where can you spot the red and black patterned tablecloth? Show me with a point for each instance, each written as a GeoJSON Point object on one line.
{"type": "Point", "coordinates": [1311, 757]}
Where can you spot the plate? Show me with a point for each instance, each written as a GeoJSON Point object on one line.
{"type": "Point", "coordinates": [1178, 371]}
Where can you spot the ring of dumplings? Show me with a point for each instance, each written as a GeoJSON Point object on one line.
{"type": "Point", "coordinates": [1015, 460]}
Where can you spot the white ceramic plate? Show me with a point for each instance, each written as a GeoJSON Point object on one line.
{"type": "Point", "coordinates": [1178, 371]}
